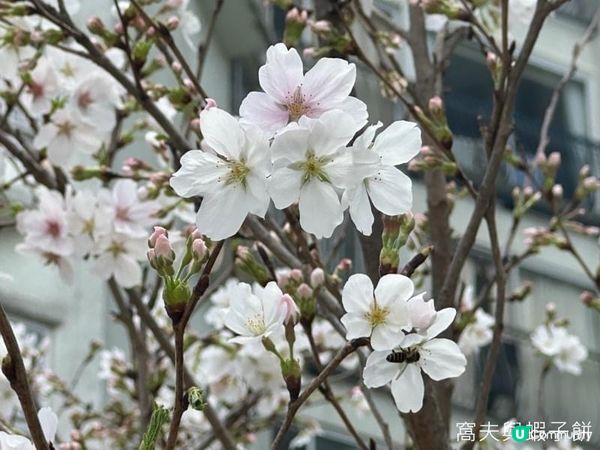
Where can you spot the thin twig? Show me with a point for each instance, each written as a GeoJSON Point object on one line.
{"type": "Point", "coordinates": [203, 48]}
{"type": "Point", "coordinates": [14, 370]}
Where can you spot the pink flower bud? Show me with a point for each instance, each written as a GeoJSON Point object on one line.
{"type": "Point", "coordinates": [119, 28]}
{"type": "Point", "coordinates": [242, 252]}
{"type": "Point", "coordinates": [283, 278]}
{"type": "Point", "coordinates": [586, 297]}
{"type": "Point", "coordinates": [421, 312]}
{"type": "Point", "coordinates": [317, 278]}
{"type": "Point", "coordinates": [584, 171]}
{"type": "Point", "coordinates": [158, 231]}
{"type": "Point", "coordinates": [436, 105]}
{"type": "Point", "coordinates": [554, 160]}
{"type": "Point", "coordinates": [292, 311]}
{"type": "Point", "coordinates": [296, 275]}
{"type": "Point", "coordinates": [321, 26]}
{"type": "Point", "coordinates": [176, 66]}
{"type": "Point", "coordinates": [528, 191]}
{"type": "Point", "coordinates": [309, 52]}
{"type": "Point", "coordinates": [195, 124]}
{"type": "Point", "coordinates": [163, 248]}
{"type": "Point", "coordinates": [344, 264]}
{"type": "Point", "coordinates": [292, 15]}
{"type": "Point", "coordinates": [95, 24]}
{"type": "Point", "coordinates": [557, 191]}
{"type": "Point", "coordinates": [540, 159]}
{"type": "Point", "coordinates": [172, 23]}
{"type": "Point", "coordinates": [210, 103]}
{"type": "Point", "coordinates": [199, 249]}
{"type": "Point", "coordinates": [551, 308]}
{"type": "Point", "coordinates": [305, 291]}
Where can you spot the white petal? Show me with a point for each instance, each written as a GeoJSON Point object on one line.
{"type": "Point", "coordinates": [398, 143]}
{"type": "Point", "coordinates": [320, 209]}
{"type": "Point", "coordinates": [290, 145]}
{"type": "Point", "coordinates": [222, 132]}
{"type": "Point", "coordinates": [390, 191]}
{"type": "Point", "coordinates": [329, 82]}
{"type": "Point", "coordinates": [356, 326]}
{"type": "Point", "coordinates": [284, 187]}
{"type": "Point", "coordinates": [378, 371]}
{"type": "Point", "coordinates": [443, 319]}
{"type": "Point", "coordinates": [393, 287]}
{"type": "Point", "coordinates": [200, 172]}
{"type": "Point", "coordinates": [408, 390]}
{"type": "Point", "coordinates": [221, 214]}
{"type": "Point", "coordinates": [330, 132]}
{"type": "Point", "coordinates": [385, 338]}
{"type": "Point", "coordinates": [260, 109]}
{"type": "Point", "coordinates": [127, 271]}
{"type": "Point", "coordinates": [360, 210]}
{"type": "Point", "coordinates": [357, 109]}
{"type": "Point", "coordinates": [49, 422]}
{"type": "Point", "coordinates": [441, 359]}
{"type": "Point", "coordinates": [282, 73]}
{"type": "Point", "coordinates": [357, 295]}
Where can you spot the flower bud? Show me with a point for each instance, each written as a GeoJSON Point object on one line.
{"type": "Point", "coordinates": [292, 311]}
{"type": "Point", "coordinates": [296, 275]}
{"type": "Point", "coordinates": [305, 291]}
{"type": "Point", "coordinates": [210, 103]}
{"type": "Point", "coordinates": [95, 25]}
{"type": "Point", "coordinates": [199, 249]}
{"type": "Point", "coordinates": [195, 398]}
{"type": "Point", "coordinates": [554, 160]}
{"type": "Point", "coordinates": [317, 278]}
{"type": "Point", "coordinates": [163, 249]}
{"type": "Point", "coordinates": [172, 23]}
{"type": "Point", "coordinates": [344, 265]}
{"type": "Point", "coordinates": [557, 191]}
{"type": "Point", "coordinates": [158, 231]}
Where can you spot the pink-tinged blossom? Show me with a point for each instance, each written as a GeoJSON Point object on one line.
{"type": "Point", "coordinates": [95, 100]}
{"type": "Point", "coordinates": [119, 256]}
{"type": "Point", "coordinates": [232, 182]}
{"type": "Point", "coordinates": [87, 220]}
{"type": "Point", "coordinates": [61, 262]}
{"type": "Point", "coordinates": [129, 213]}
{"type": "Point", "coordinates": [42, 88]}
{"type": "Point", "coordinates": [46, 227]}
{"type": "Point", "coordinates": [66, 134]}
{"type": "Point", "coordinates": [311, 163]}
{"type": "Point", "coordinates": [289, 94]}
{"type": "Point", "coordinates": [375, 173]}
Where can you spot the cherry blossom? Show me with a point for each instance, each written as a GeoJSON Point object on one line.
{"type": "Point", "coordinates": [254, 317]}
{"type": "Point", "coordinates": [382, 313]}
{"type": "Point", "coordinates": [564, 350]}
{"type": "Point", "coordinates": [42, 87]}
{"type": "Point", "coordinates": [310, 162]}
{"type": "Point", "coordinates": [95, 100]}
{"type": "Point", "coordinates": [439, 358]}
{"type": "Point", "coordinates": [477, 333]}
{"type": "Point", "coordinates": [66, 134]}
{"type": "Point", "coordinates": [49, 423]}
{"type": "Point", "coordinates": [46, 227]}
{"type": "Point", "coordinates": [375, 173]}
{"type": "Point", "coordinates": [130, 215]}
{"type": "Point", "coordinates": [87, 220]}
{"type": "Point", "coordinates": [289, 94]}
{"type": "Point", "coordinates": [119, 256]}
{"type": "Point", "coordinates": [233, 183]}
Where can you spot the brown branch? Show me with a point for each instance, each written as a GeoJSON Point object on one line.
{"type": "Point", "coordinates": [295, 405]}
{"type": "Point", "coordinates": [551, 109]}
{"type": "Point", "coordinates": [203, 48]}
{"type": "Point", "coordinates": [416, 261]}
{"type": "Point", "coordinates": [14, 370]}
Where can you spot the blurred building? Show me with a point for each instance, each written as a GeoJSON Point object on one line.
{"type": "Point", "coordinates": [72, 316]}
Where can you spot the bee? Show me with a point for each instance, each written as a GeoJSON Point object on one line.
{"type": "Point", "coordinates": [407, 356]}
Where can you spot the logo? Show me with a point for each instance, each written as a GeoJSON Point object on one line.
{"type": "Point", "coordinates": [520, 433]}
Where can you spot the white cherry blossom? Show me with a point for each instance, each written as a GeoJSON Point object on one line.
{"type": "Point", "coordinates": [477, 333]}
{"type": "Point", "coordinates": [438, 358]}
{"type": "Point", "coordinates": [376, 176]}
{"type": "Point", "coordinates": [49, 423]}
{"type": "Point", "coordinates": [66, 134]}
{"type": "Point", "coordinates": [42, 88]}
{"type": "Point", "coordinates": [289, 94]}
{"type": "Point", "coordinates": [254, 317]}
{"type": "Point", "coordinates": [119, 256]}
{"type": "Point", "coordinates": [381, 314]}
{"type": "Point", "coordinates": [232, 182]}
{"type": "Point", "coordinates": [95, 100]}
{"type": "Point", "coordinates": [310, 163]}
{"type": "Point", "coordinates": [565, 351]}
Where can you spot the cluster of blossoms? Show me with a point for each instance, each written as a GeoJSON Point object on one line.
{"type": "Point", "coordinates": [109, 225]}
{"type": "Point", "coordinates": [403, 329]}
{"type": "Point", "coordinates": [291, 145]}
{"type": "Point", "coordinates": [560, 348]}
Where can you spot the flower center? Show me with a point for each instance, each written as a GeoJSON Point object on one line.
{"type": "Point", "coordinates": [53, 228]}
{"type": "Point", "coordinates": [256, 325]}
{"type": "Point", "coordinates": [36, 89]}
{"type": "Point", "coordinates": [85, 100]}
{"type": "Point", "coordinates": [296, 106]}
{"type": "Point", "coordinates": [313, 167]}
{"type": "Point", "coordinates": [116, 248]}
{"type": "Point", "coordinates": [377, 315]}
{"type": "Point", "coordinates": [238, 172]}
{"type": "Point", "coordinates": [65, 128]}
{"type": "Point", "coordinates": [122, 214]}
